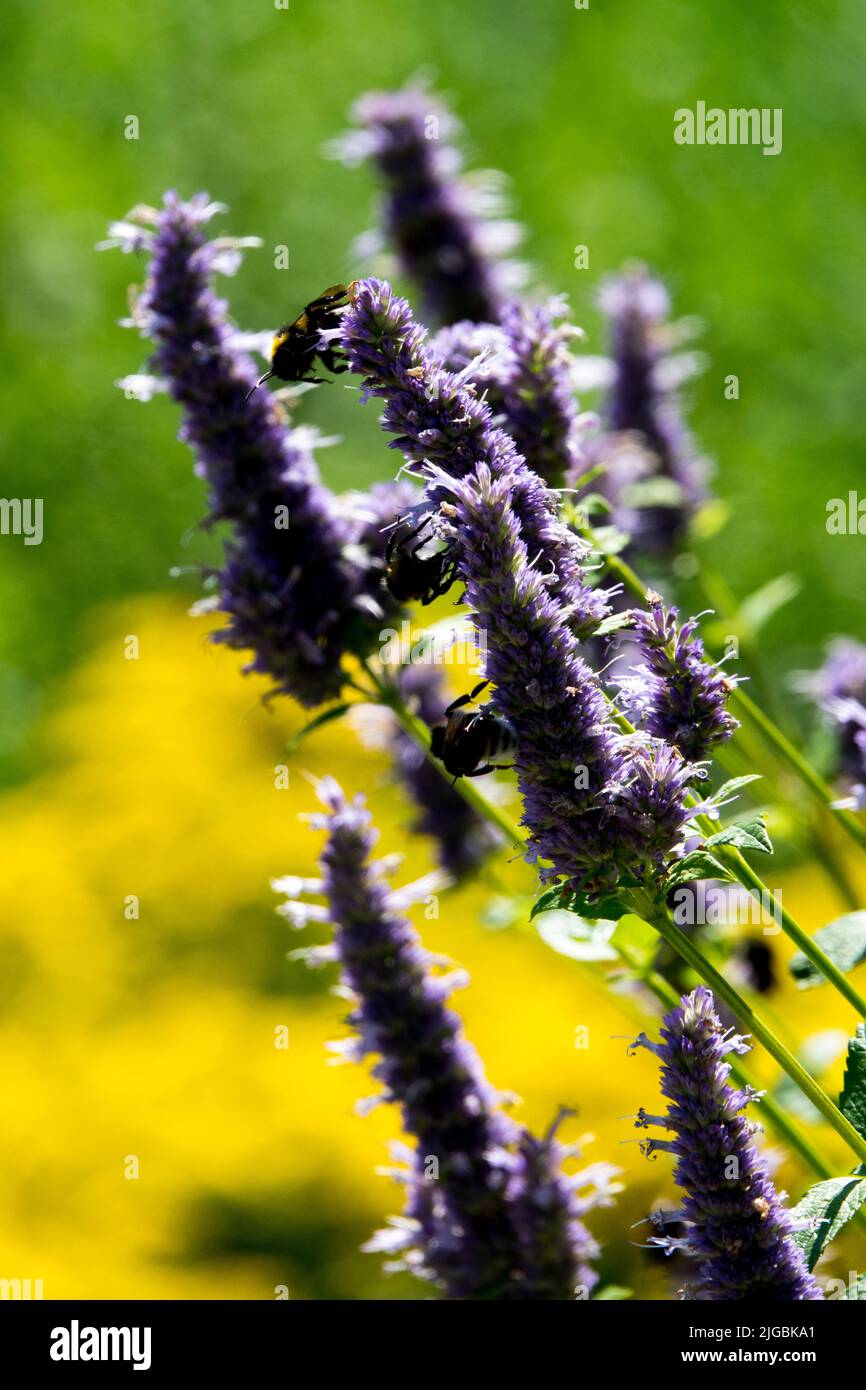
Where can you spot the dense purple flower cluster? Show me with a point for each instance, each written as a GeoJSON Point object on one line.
{"type": "Point", "coordinates": [446, 228]}
{"type": "Point", "coordinates": [438, 420]}
{"type": "Point", "coordinates": [654, 496]}
{"type": "Point", "coordinates": [596, 804]}
{"type": "Point", "coordinates": [678, 695]}
{"type": "Point", "coordinates": [738, 1230]}
{"type": "Point", "coordinates": [297, 586]}
{"type": "Point", "coordinates": [537, 393]}
{"type": "Point", "coordinates": [482, 1193]}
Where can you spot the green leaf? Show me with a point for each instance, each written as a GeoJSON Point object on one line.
{"type": "Point", "coordinates": [576, 937]}
{"type": "Point", "coordinates": [826, 1209]}
{"type": "Point", "coordinates": [615, 1293]}
{"type": "Point", "coordinates": [559, 897]}
{"type": "Point", "coordinates": [729, 789]}
{"type": "Point", "coordinates": [614, 623]}
{"type": "Point", "coordinates": [843, 940]}
{"type": "Point", "coordinates": [697, 865]}
{"type": "Point", "coordinates": [749, 834]}
{"type": "Point", "coordinates": [852, 1101]}
{"type": "Point", "coordinates": [326, 717]}
{"type": "Point", "coordinates": [757, 610]}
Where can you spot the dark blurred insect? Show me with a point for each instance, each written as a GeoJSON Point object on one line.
{"type": "Point", "coordinates": [409, 574]}
{"type": "Point", "coordinates": [297, 345]}
{"type": "Point", "coordinates": [470, 737]}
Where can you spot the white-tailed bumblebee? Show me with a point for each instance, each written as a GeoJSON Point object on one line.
{"type": "Point", "coordinates": [470, 737]}
{"type": "Point", "coordinates": [297, 345]}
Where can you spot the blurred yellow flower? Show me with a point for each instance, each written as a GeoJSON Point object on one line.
{"type": "Point", "coordinates": [158, 1139]}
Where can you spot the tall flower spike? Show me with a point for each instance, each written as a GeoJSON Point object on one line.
{"type": "Point", "coordinates": [595, 803]}
{"type": "Point", "coordinates": [292, 591]}
{"type": "Point", "coordinates": [475, 1199]}
{"type": "Point", "coordinates": [678, 695]}
{"type": "Point", "coordinates": [738, 1230]}
{"type": "Point", "coordinates": [446, 228]}
{"type": "Point", "coordinates": [642, 402]}
{"type": "Point", "coordinates": [438, 420]}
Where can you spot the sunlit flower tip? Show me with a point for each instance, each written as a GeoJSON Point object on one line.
{"type": "Point", "coordinates": [300, 915]}
{"type": "Point", "coordinates": [446, 433]}
{"type": "Point", "coordinates": [678, 694]}
{"type": "Point", "coordinates": [445, 227]}
{"type": "Point", "coordinates": [739, 1231]}
{"type": "Point", "coordinates": [291, 886]}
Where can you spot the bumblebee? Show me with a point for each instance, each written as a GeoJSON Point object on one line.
{"type": "Point", "coordinates": [411, 575]}
{"type": "Point", "coordinates": [470, 737]}
{"type": "Point", "coordinates": [296, 345]}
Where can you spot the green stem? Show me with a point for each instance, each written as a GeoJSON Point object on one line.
{"type": "Point", "coordinates": [756, 1025]}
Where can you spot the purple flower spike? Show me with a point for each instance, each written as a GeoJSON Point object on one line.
{"type": "Point", "coordinates": [738, 1229]}
{"type": "Point", "coordinates": [446, 228]}
{"type": "Point", "coordinates": [479, 1194]}
{"type": "Point", "coordinates": [679, 695]}
{"type": "Point", "coordinates": [642, 403]}
{"type": "Point", "coordinates": [439, 421]}
{"type": "Point", "coordinates": [293, 593]}
{"type": "Point", "coordinates": [537, 393]}
{"type": "Point", "coordinates": [595, 803]}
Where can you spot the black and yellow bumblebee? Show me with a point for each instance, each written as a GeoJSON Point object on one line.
{"type": "Point", "coordinates": [409, 574]}
{"type": "Point", "coordinates": [297, 345]}
{"type": "Point", "coordinates": [470, 737]}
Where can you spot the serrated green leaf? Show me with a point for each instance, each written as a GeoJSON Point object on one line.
{"type": "Point", "coordinates": [326, 717]}
{"type": "Point", "coordinates": [852, 1101]}
{"type": "Point", "coordinates": [697, 865]}
{"type": "Point", "coordinates": [576, 937]}
{"type": "Point", "coordinates": [825, 1210]}
{"type": "Point", "coordinates": [843, 940]}
{"type": "Point", "coordinates": [730, 788]}
{"type": "Point", "coordinates": [607, 909]}
{"type": "Point", "coordinates": [750, 834]}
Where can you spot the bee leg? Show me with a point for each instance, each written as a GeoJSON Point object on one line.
{"type": "Point", "coordinates": [458, 704]}
{"type": "Point", "coordinates": [490, 767]}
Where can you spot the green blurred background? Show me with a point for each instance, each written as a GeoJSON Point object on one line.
{"type": "Point", "coordinates": [159, 773]}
